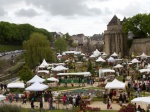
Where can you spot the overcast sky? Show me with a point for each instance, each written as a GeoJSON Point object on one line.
{"type": "Point", "coordinates": [73, 16]}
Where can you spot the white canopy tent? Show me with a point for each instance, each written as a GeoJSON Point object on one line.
{"type": "Point", "coordinates": [143, 55]}
{"type": "Point", "coordinates": [115, 84]}
{"type": "Point", "coordinates": [59, 56]}
{"type": "Point", "coordinates": [71, 52]}
{"type": "Point", "coordinates": [43, 71]}
{"type": "Point", "coordinates": [108, 70]}
{"type": "Point", "coordinates": [135, 61]}
{"type": "Point", "coordinates": [148, 67]}
{"type": "Point", "coordinates": [118, 66]}
{"type": "Point", "coordinates": [59, 68]}
{"type": "Point", "coordinates": [15, 85]}
{"type": "Point", "coordinates": [104, 54]}
{"type": "Point", "coordinates": [105, 70]}
{"type": "Point", "coordinates": [92, 56]}
{"type": "Point", "coordinates": [141, 100]}
{"type": "Point", "coordinates": [36, 78]}
{"type": "Point", "coordinates": [37, 87]}
{"type": "Point", "coordinates": [53, 79]}
{"type": "Point", "coordinates": [2, 97]}
{"type": "Point", "coordinates": [111, 59]}
{"type": "Point", "coordinates": [144, 70]}
{"type": "Point", "coordinates": [82, 54]}
{"type": "Point", "coordinates": [100, 59]}
{"type": "Point", "coordinates": [85, 74]}
{"type": "Point", "coordinates": [96, 53]}
{"type": "Point", "coordinates": [44, 64]}
{"type": "Point", "coordinates": [114, 55]}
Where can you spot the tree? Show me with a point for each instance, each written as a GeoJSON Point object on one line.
{"type": "Point", "coordinates": [38, 48]}
{"type": "Point", "coordinates": [25, 73]}
{"type": "Point", "coordinates": [138, 24]}
{"type": "Point", "coordinates": [60, 45]}
{"type": "Point", "coordinates": [90, 68]}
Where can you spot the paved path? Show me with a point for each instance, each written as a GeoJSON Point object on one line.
{"type": "Point", "coordinates": [61, 106]}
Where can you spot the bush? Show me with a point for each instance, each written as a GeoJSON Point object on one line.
{"type": "Point", "coordinates": [10, 108]}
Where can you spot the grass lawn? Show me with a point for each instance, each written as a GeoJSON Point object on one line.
{"type": "Point", "coordinates": [9, 48]}
{"type": "Point", "coordinates": [65, 88]}
{"type": "Point", "coordinates": [13, 68]}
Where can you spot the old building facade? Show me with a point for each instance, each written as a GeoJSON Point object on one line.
{"type": "Point", "coordinates": [114, 38]}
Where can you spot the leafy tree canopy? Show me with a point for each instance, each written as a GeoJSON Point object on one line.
{"type": "Point", "coordinates": [60, 45]}
{"type": "Point", "coordinates": [25, 73]}
{"type": "Point", "coordinates": [138, 24]}
{"type": "Point", "coordinates": [38, 48]}
{"type": "Point", "coordinates": [15, 34]}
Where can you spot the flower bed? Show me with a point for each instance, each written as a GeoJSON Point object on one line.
{"type": "Point", "coordinates": [128, 108]}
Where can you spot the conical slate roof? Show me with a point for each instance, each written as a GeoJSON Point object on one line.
{"type": "Point", "coordinates": [113, 21]}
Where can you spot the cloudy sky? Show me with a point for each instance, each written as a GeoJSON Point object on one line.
{"type": "Point", "coordinates": [72, 16]}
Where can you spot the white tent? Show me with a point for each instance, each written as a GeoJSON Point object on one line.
{"type": "Point", "coordinates": [100, 59]}
{"type": "Point", "coordinates": [148, 67]}
{"type": "Point", "coordinates": [85, 74]}
{"type": "Point", "coordinates": [135, 60]}
{"type": "Point", "coordinates": [53, 79]}
{"type": "Point", "coordinates": [82, 54]}
{"type": "Point", "coordinates": [118, 66]}
{"type": "Point", "coordinates": [59, 68]}
{"type": "Point", "coordinates": [143, 55]}
{"type": "Point", "coordinates": [2, 97]}
{"type": "Point", "coordinates": [43, 71]}
{"type": "Point", "coordinates": [92, 56]}
{"type": "Point", "coordinates": [36, 78]}
{"type": "Point", "coordinates": [144, 70]}
{"type": "Point", "coordinates": [141, 100]}
{"type": "Point", "coordinates": [44, 64]}
{"type": "Point", "coordinates": [104, 54]}
{"type": "Point", "coordinates": [111, 59]}
{"type": "Point", "coordinates": [107, 70]}
{"type": "Point", "coordinates": [115, 84]}
{"type": "Point", "coordinates": [114, 54]}
{"type": "Point", "coordinates": [15, 85]}
{"type": "Point", "coordinates": [37, 87]}
{"type": "Point", "coordinates": [96, 53]}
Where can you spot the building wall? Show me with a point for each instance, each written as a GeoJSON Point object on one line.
{"type": "Point", "coordinates": [139, 46]}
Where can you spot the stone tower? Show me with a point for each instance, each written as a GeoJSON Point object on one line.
{"type": "Point", "coordinates": [115, 39]}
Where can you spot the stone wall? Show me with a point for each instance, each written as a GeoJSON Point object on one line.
{"type": "Point", "coordinates": [140, 45]}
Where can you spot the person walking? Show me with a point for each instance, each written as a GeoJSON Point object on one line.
{"type": "Point", "coordinates": [41, 105]}
{"type": "Point", "coordinates": [16, 97]}
{"type": "Point", "coordinates": [32, 103]}
{"type": "Point", "coordinates": [104, 97]}
{"type": "Point", "coordinates": [50, 103]}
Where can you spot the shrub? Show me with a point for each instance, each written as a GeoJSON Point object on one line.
{"type": "Point", "coordinates": [10, 108]}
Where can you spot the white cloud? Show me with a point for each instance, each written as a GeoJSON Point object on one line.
{"type": "Point", "coordinates": [73, 16]}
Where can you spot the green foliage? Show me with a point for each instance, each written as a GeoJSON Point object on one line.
{"type": "Point", "coordinates": [138, 24]}
{"type": "Point", "coordinates": [89, 69]}
{"type": "Point", "coordinates": [60, 45]}
{"type": "Point", "coordinates": [10, 108]}
{"type": "Point", "coordinates": [15, 34]}
{"type": "Point", "coordinates": [25, 74]}
{"type": "Point", "coordinates": [38, 48]}
{"type": "Point", "coordinates": [3, 64]}
{"type": "Point", "coordinates": [4, 48]}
